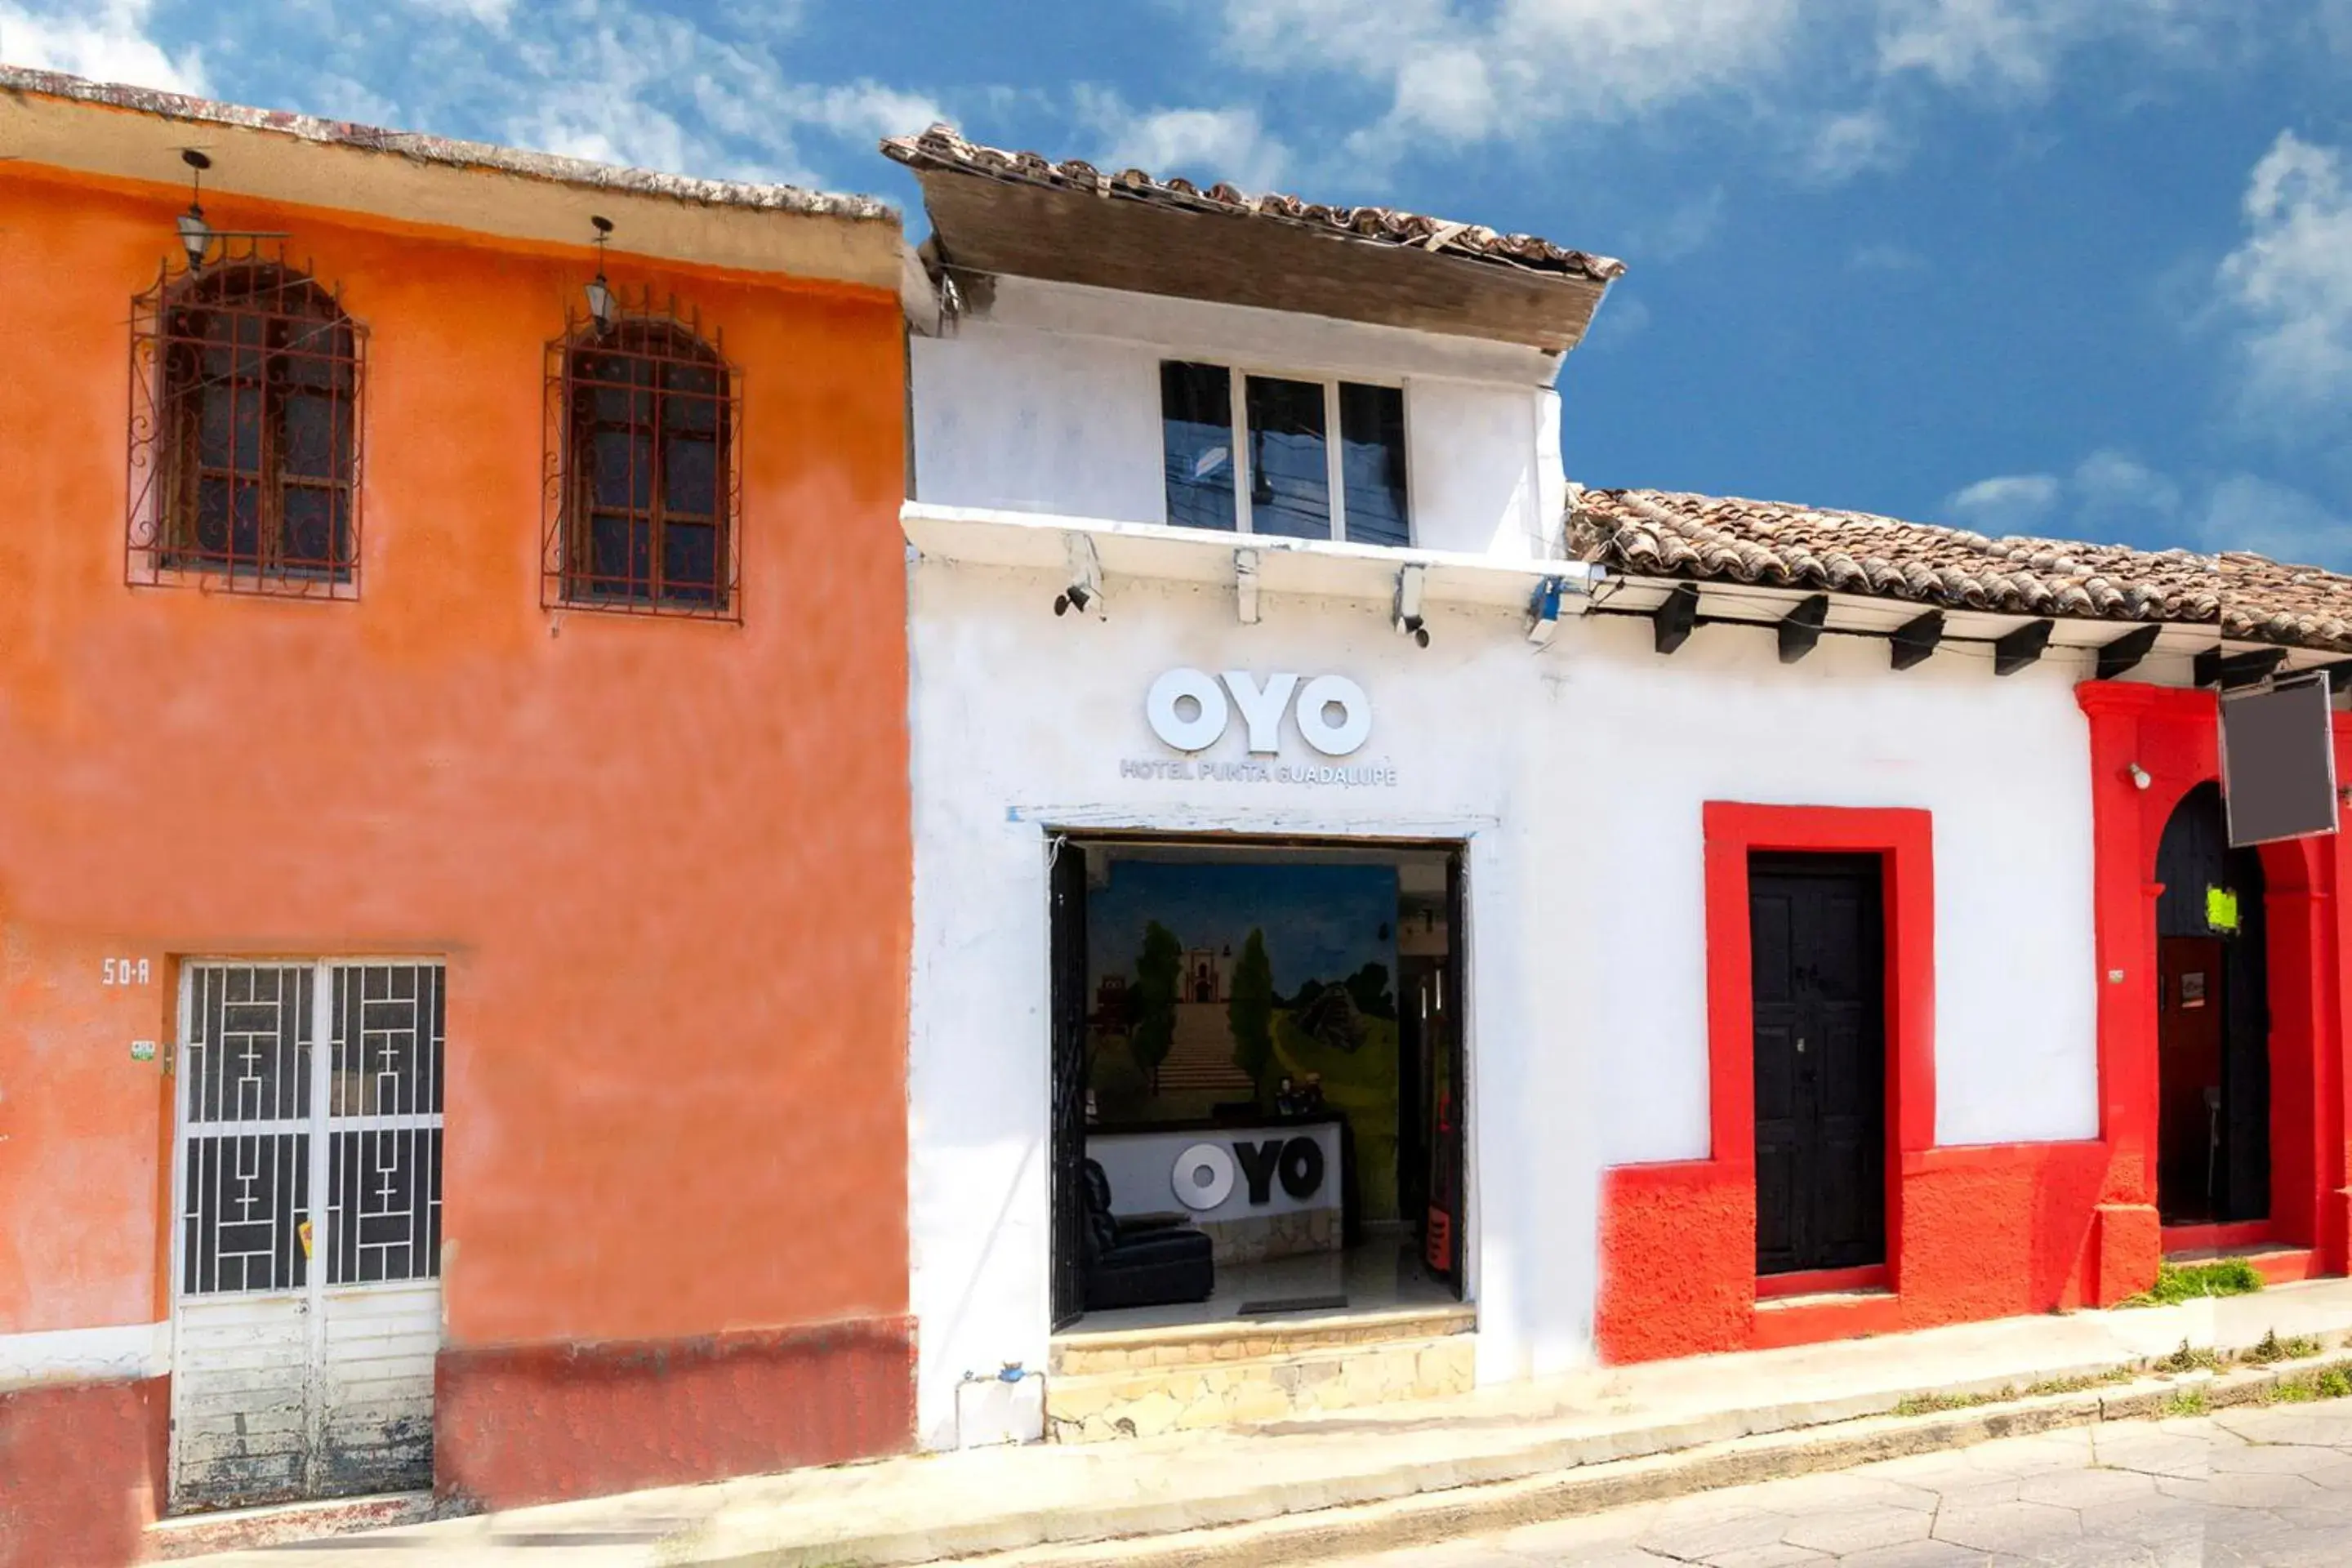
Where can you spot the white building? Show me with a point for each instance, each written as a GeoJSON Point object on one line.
{"type": "Point", "coordinates": [1157, 618]}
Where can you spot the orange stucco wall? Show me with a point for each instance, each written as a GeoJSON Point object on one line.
{"type": "Point", "coordinates": [666, 862]}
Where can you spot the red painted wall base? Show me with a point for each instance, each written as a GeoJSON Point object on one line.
{"type": "Point", "coordinates": [81, 1471]}
{"type": "Point", "coordinates": [529, 1423]}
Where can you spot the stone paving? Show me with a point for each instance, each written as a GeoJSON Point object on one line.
{"type": "Point", "coordinates": [2270, 1486]}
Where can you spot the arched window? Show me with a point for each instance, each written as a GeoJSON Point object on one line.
{"type": "Point", "coordinates": [643, 481]}
{"type": "Point", "coordinates": [249, 374]}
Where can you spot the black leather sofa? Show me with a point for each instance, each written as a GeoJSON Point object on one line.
{"type": "Point", "coordinates": [1150, 1260]}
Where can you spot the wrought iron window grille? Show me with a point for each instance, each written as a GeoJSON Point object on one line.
{"type": "Point", "coordinates": [244, 450]}
{"type": "Point", "coordinates": [643, 470]}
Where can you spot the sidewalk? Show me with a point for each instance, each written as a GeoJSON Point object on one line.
{"type": "Point", "coordinates": [923, 1508]}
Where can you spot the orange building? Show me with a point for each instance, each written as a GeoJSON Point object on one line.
{"type": "Point", "coordinates": [454, 840]}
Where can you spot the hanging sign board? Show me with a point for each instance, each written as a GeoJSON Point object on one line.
{"type": "Point", "coordinates": [2278, 762]}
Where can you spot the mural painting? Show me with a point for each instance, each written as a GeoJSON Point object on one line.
{"type": "Point", "coordinates": [1212, 982]}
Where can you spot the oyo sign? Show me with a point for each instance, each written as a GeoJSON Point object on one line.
{"type": "Point", "coordinates": [1204, 1176]}
{"type": "Point", "coordinates": [1191, 710]}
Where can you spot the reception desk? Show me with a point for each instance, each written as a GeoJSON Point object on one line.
{"type": "Point", "coordinates": [1274, 1187]}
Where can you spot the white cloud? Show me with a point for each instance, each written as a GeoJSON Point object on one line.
{"type": "Point", "coordinates": [1859, 142]}
{"type": "Point", "coordinates": [1886, 256]}
{"type": "Point", "coordinates": [2016, 46]}
{"type": "Point", "coordinates": [1685, 230]}
{"type": "Point", "coordinates": [2290, 283]}
{"type": "Point", "coordinates": [865, 110]}
{"type": "Point", "coordinates": [1230, 144]}
{"type": "Point", "coordinates": [108, 41]}
{"type": "Point", "coordinates": [1621, 319]}
{"type": "Point", "coordinates": [2242, 511]}
{"type": "Point", "coordinates": [2112, 495]}
{"type": "Point", "coordinates": [2006, 503]}
{"type": "Point", "coordinates": [1460, 71]}
{"type": "Point", "coordinates": [2108, 482]}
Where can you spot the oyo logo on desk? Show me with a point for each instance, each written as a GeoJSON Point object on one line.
{"type": "Point", "coordinates": [1191, 710]}
{"type": "Point", "coordinates": [1204, 1174]}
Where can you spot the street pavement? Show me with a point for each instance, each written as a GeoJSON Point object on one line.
{"type": "Point", "coordinates": [2261, 1485]}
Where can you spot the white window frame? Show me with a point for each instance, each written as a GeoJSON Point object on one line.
{"type": "Point", "coordinates": [1237, 403]}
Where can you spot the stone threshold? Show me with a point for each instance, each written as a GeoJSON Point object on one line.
{"type": "Point", "coordinates": [1371, 1322]}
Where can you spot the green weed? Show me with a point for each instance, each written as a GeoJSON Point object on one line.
{"type": "Point", "coordinates": [2270, 1348]}
{"type": "Point", "coordinates": [2185, 1359]}
{"type": "Point", "coordinates": [2178, 1282]}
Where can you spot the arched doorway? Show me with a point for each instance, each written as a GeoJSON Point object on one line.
{"type": "Point", "coordinates": [2214, 1135]}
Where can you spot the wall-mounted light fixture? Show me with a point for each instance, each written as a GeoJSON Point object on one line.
{"type": "Point", "coordinates": [1543, 612]}
{"type": "Point", "coordinates": [1084, 592]}
{"type": "Point", "coordinates": [1408, 604]}
{"type": "Point", "coordinates": [196, 236]}
{"type": "Point", "coordinates": [600, 293]}
{"type": "Point", "coordinates": [2138, 776]}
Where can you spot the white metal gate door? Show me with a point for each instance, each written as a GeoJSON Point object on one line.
{"type": "Point", "coordinates": [305, 1335]}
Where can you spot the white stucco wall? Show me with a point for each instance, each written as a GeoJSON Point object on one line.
{"type": "Point", "coordinates": [1049, 401]}
{"type": "Point", "coordinates": [1576, 776]}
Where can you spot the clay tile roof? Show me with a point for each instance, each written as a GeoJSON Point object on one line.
{"type": "Point", "coordinates": [941, 148]}
{"type": "Point", "coordinates": [17, 81]}
{"type": "Point", "coordinates": [1659, 533]}
{"type": "Point", "coordinates": [2301, 607]}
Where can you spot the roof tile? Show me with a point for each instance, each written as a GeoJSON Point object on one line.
{"type": "Point", "coordinates": [940, 147]}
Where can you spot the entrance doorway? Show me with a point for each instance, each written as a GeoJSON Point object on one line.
{"type": "Point", "coordinates": [1817, 942]}
{"type": "Point", "coordinates": [305, 1331]}
{"type": "Point", "coordinates": [2213, 1129]}
{"type": "Point", "coordinates": [1258, 1087]}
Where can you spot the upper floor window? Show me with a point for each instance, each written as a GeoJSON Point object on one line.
{"type": "Point", "coordinates": [1256, 453]}
{"type": "Point", "coordinates": [644, 510]}
{"type": "Point", "coordinates": [245, 432]}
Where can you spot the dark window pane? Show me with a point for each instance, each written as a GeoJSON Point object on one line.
{"type": "Point", "coordinates": [690, 564]}
{"type": "Point", "coordinates": [622, 468]}
{"type": "Point", "coordinates": [1196, 414]}
{"type": "Point", "coordinates": [690, 477]}
{"type": "Point", "coordinates": [245, 521]}
{"type": "Point", "coordinates": [314, 437]}
{"type": "Point", "coordinates": [1291, 480]}
{"type": "Point", "coordinates": [245, 426]}
{"type": "Point", "coordinates": [620, 557]}
{"type": "Point", "coordinates": [212, 516]}
{"type": "Point", "coordinates": [1371, 463]}
{"type": "Point", "coordinates": [317, 534]}
{"type": "Point", "coordinates": [213, 410]}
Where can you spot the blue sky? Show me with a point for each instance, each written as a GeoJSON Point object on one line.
{"type": "Point", "coordinates": [2070, 267]}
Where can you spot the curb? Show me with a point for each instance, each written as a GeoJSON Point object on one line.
{"type": "Point", "coordinates": [1442, 1515]}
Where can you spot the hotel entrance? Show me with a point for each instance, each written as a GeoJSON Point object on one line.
{"type": "Point", "coordinates": [1258, 1083]}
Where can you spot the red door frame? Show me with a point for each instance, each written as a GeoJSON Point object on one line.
{"type": "Point", "coordinates": [1904, 841]}
{"type": "Point", "coordinates": [2171, 736]}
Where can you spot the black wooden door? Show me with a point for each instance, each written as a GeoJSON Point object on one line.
{"type": "Point", "coordinates": [2231, 1183]}
{"type": "Point", "coordinates": [1068, 1164]}
{"type": "Point", "coordinates": [1817, 944]}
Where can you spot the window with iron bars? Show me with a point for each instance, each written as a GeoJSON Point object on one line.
{"type": "Point", "coordinates": [245, 431]}
{"type": "Point", "coordinates": [643, 476]}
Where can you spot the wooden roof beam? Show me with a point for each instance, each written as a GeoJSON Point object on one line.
{"type": "Point", "coordinates": [1801, 628]}
{"type": "Point", "coordinates": [2015, 650]}
{"type": "Point", "coordinates": [2123, 655]}
{"type": "Point", "coordinates": [1915, 640]}
{"type": "Point", "coordinates": [1672, 621]}
{"type": "Point", "coordinates": [2226, 670]}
